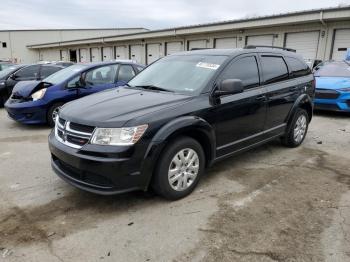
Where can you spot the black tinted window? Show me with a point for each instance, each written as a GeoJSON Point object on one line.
{"type": "Point", "coordinates": [274, 69]}
{"type": "Point", "coordinates": [48, 70]}
{"type": "Point", "coordinates": [126, 72]}
{"type": "Point", "coordinates": [28, 72]}
{"type": "Point", "coordinates": [245, 69]}
{"type": "Point", "coordinates": [297, 67]}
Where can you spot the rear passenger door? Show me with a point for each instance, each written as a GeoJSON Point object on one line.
{"type": "Point", "coordinates": [240, 117]}
{"type": "Point", "coordinates": [99, 79]}
{"type": "Point", "coordinates": [281, 93]}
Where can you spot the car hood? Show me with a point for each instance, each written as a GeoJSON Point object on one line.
{"type": "Point", "coordinates": [25, 88]}
{"type": "Point", "coordinates": [115, 107]}
{"type": "Point", "coordinates": [332, 82]}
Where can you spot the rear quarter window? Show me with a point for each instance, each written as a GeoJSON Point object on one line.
{"type": "Point", "coordinates": [297, 68]}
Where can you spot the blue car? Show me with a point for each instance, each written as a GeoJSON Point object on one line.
{"type": "Point", "coordinates": [333, 87]}
{"type": "Point", "coordinates": [38, 102]}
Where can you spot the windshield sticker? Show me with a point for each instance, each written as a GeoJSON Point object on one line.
{"type": "Point", "coordinates": [208, 65]}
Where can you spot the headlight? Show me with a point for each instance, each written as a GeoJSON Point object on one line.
{"type": "Point", "coordinates": [39, 94]}
{"type": "Point", "coordinates": [346, 89]}
{"type": "Point", "coordinates": [118, 136]}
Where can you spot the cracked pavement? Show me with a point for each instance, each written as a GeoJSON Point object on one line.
{"type": "Point", "coordinates": [269, 204]}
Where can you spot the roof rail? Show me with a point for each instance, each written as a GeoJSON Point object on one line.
{"type": "Point", "coordinates": [267, 46]}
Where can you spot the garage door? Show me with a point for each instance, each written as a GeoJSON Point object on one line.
{"type": "Point", "coordinates": [153, 52]}
{"type": "Point", "coordinates": [107, 53]}
{"type": "Point", "coordinates": [197, 44]}
{"type": "Point", "coordinates": [121, 52]}
{"type": "Point", "coordinates": [341, 43]}
{"type": "Point", "coordinates": [136, 53]}
{"type": "Point", "coordinates": [224, 43]}
{"type": "Point", "coordinates": [173, 47]}
{"type": "Point", "coordinates": [83, 55]}
{"type": "Point", "coordinates": [305, 43]}
{"type": "Point", "coordinates": [64, 55]}
{"type": "Point", "coordinates": [260, 40]}
{"type": "Point", "coordinates": [95, 54]}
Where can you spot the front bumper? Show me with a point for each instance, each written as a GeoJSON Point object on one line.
{"type": "Point", "coordinates": [31, 112]}
{"type": "Point", "coordinates": [98, 169]}
{"type": "Point", "coordinates": [341, 103]}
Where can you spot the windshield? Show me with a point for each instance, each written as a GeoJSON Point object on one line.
{"type": "Point", "coordinates": [64, 74]}
{"type": "Point", "coordinates": [340, 69]}
{"type": "Point", "coordinates": [186, 74]}
{"type": "Point", "coordinates": [7, 71]}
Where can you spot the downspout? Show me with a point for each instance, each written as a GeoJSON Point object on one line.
{"type": "Point", "coordinates": [321, 19]}
{"type": "Point", "coordinates": [326, 34]}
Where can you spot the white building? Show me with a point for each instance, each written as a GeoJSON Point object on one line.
{"type": "Point", "coordinates": [316, 34]}
{"type": "Point", "coordinates": [13, 43]}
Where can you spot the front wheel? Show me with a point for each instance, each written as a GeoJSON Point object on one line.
{"type": "Point", "coordinates": [179, 168]}
{"type": "Point", "coordinates": [297, 129]}
{"type": "Point", "coordinates": [52, 113]}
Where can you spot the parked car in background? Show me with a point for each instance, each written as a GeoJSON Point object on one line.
{"type": "Point", "coordinates": [333, 87]}
{"type": "Point", "coordinates": [320, 65]}
{"type": "Point", "coordinates": [4, 75]}
{"type": "Point", "coordinates": [181, 114]}
{"type": "Point", "coordinates": [29, 72]}
{"type": "Point", "coordinates": [4, 65]}
{"type": "Point", "coordinates": [37, 102]}
{"type": "Point", "coordinates": [61, 63]}
{"type": "Point", "coordinates": [312, 63]}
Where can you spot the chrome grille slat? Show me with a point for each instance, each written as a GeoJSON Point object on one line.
{"type": "Point", "coordinates": [70, 137]}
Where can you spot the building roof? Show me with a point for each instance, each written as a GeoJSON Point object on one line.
{"type": "Point", "coordinates": [306, 16]}
{"type": "Point", "coordinates": [72, 29]}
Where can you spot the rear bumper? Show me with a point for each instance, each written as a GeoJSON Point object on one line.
{"type": "Point", "coordinates": [31, 112]}
{"type": "Point", "coordinates": [100, 173]}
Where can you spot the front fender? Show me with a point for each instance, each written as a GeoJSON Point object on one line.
{"type": "Point", "coordinates": [177, 127]}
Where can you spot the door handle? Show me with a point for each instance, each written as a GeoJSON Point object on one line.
{"type": "Point", "coordinates": [260, 98]}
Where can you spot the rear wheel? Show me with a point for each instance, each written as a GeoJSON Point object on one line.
{"type": "Point", "coordinates": [179, 168]}
{"type": "Point", "coordinates": [297, 129]}
{"type": "Point", "coordinates": [52, 113]}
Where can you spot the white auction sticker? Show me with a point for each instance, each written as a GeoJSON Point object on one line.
{"type": "Point", "coordinates": [208, 65]}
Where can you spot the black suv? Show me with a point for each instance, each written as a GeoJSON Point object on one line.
{"type": "Point", "coordinates": [180, 115]}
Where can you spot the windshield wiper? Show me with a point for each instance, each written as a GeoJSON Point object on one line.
{"type": "Point", "coordinates": [153, 87]}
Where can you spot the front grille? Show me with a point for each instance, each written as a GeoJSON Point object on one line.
{"type": "Point", "coordinates": [326, 94]}
{"type": "Point", "coordinates": [73, 134]}
{"type": "Point", "coordinates": [333, 107]}
{"type": "Point", "coordinates": [84, 176]}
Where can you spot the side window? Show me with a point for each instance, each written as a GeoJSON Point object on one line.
{"type": "Point", "coordinates": [48, 70]}
{"type": "Point", "coordinates": [101, 75]}
{"type": "Point", "coordinates": [72, 82]}
{"type": "Point", "coordinates": [297, 67]}
{"type": "Point", "coordinates": [28, 72]}
{"type": "Point", "coordinates": [126, 72]}
{"type": "Point", "coordinates": [274, 69]}
{"type": "Point", "coordinates": [245, 69]}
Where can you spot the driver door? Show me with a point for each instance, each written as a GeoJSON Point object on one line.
{"type": "Point", "coordinates": [239, 118]}
{"type": "Point", "coordinates": [99, 79]}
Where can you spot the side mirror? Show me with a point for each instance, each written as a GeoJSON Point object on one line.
{"type": "Point", "coordinates": [13, 77]}
{"type": "Point", "coordinates": [229, 87]}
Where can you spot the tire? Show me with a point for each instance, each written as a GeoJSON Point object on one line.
{"type": "Point", "coordinates": [2, 100]}
{"type": "Point", "coordinates": [168, 167]}
{"type": "Point", "coordinates": [300, 122]}
{"type": "Point", "coordinates": [53, 109]}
